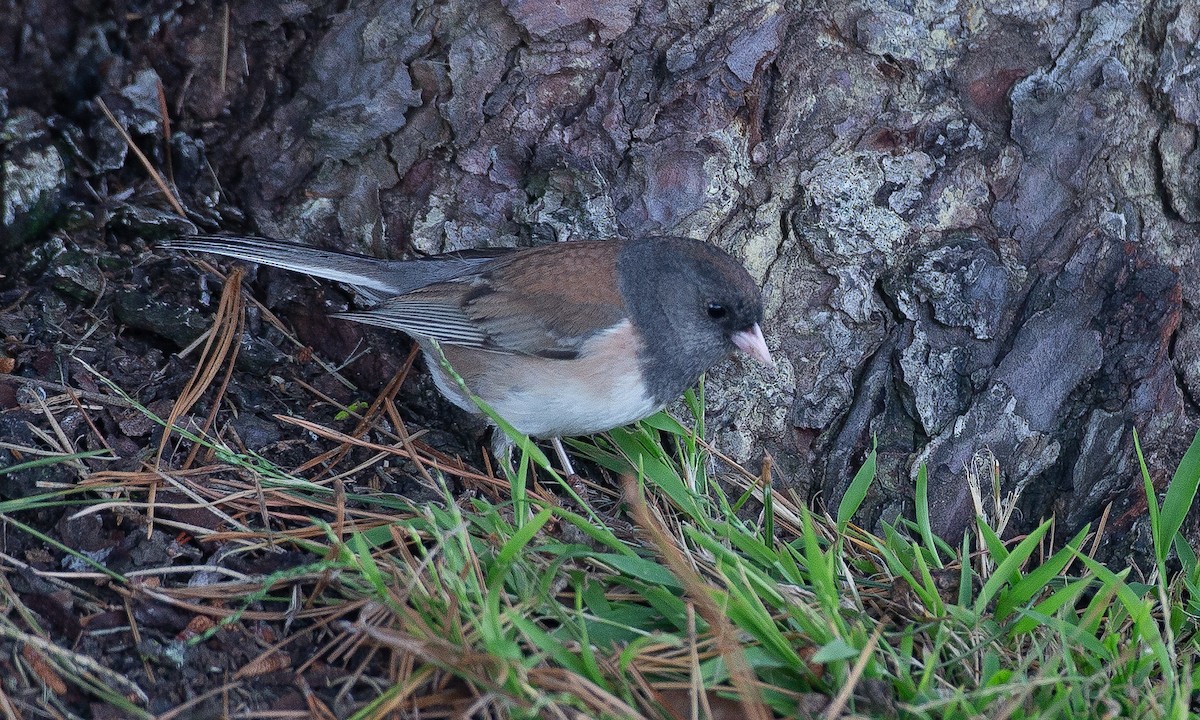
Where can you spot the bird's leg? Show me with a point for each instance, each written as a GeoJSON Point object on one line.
{"type": "Point", "coordinates": [562, 456]}
{"type": "Point", "coordinates": [582, 498]}
{"type": "Point", "coordinates": [502, 450]}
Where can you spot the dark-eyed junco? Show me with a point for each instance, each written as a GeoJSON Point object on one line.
{"type": "Point", "coordinates": [565, 339]}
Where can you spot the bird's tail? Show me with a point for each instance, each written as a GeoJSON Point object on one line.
{"type": "Point", "coordinates": [376, 277]}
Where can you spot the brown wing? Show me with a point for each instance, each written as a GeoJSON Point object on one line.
{"type": "Point", "coordinates": [545, 301]}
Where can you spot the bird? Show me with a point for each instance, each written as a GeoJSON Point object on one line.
{"type": "Point", "coordinates": [566, 339]}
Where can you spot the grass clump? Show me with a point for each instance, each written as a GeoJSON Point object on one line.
{"type": "Point", "coordinates": [679, 594]}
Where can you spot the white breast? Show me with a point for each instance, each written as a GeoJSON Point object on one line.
{"type": "Point", "coordinates": [600, 390]}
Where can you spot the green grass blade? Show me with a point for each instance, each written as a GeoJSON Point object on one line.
{"type": "Point", "coordinates": [663, 421]}
{"type": "Point", "coordinates": [1036, 580]}
{"type": "Point", "coordinates": [1008, 572]}
{"type": "Point", "coordinates": [964, 572]}
{"type": "Point", "coordinates": [55, 459]}
{"type": "Point", "coordinates": [922, 511]}
{"type": "Point", "coordinates": [1160, 551]}
{"type": "Point", "coordinates": [5, 519]}
{"type": "Point", "coordinates": [1068, 594]}
{"type": "Point", "coordinates": [640, 569]}
{"type": "Point", "coordinates": [1141, 612]}
{"type": "Point", "coordinates": [995, 546]}
{"type": "Point", "coordinates": [857, 492]}
{"type": "Point", "coordinates": [1181, 494]}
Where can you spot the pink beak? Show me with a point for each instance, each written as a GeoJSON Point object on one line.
{"type": "Point", "coordinates": [753, 344]}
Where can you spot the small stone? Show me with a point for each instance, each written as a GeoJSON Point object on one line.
{"type": "Point", "coordinates": [32, 178]}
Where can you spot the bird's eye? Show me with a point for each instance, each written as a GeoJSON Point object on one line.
{"type": "Point", "coordinates": [716, 310]}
